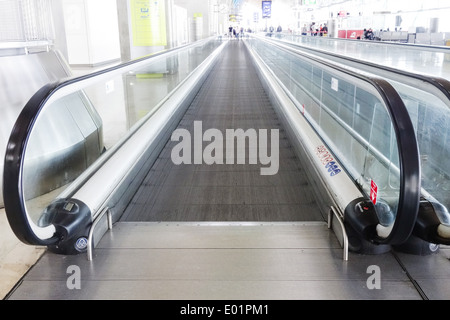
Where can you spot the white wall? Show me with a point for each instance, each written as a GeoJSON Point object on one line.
{"type": "Point", "coordinates": [92, 31]}
{"type": "Point", "coordinates": [198, 27]}
{"type": "Point", "coordinates": [181, 30]}
{"type": "Point", "coordinates": [103, 30]}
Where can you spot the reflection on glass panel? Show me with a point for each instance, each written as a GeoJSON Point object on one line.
{"type": "Point", "coordinates": [382, 165]}
{"type": "Point", "coordinates": [316, 82]}
{"type": "Point", "coordinates": [364, 111]}
{"type": "Point", "coordinates": [434, 146]}
{"type": "Point", "coordinates": [381, 131]}
{"type": "Point", "coordinates": [74, 132]}
{"type": "Point", "coordinates": [431, 118]}
{"type": "Point", "coordinates": [107, 99]}
{"type": "Point", "coordinates": [339, 96]}
{"type": "Point", "coordinates": [67, 140]}
{"type": "Point", "coordinates": [301, 73]}
{"type": "Point", "coordinates": [353, 122]}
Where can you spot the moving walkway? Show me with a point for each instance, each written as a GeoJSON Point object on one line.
{"type": "Point", "coordinates": [427, 99]}
{"type": "Point", "coordinates": [348, 149]}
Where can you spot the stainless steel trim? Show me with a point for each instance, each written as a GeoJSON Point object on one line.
{"type": "Point", "coordinates": [334, 212]}
{"type": "Point", "coordinates": [90, 246]}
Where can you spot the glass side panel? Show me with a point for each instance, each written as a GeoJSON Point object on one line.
{"type": "Point", "coordinates": [429, 113]}
{"type": "Point", "coordinates": [431, 119]}
{"type": "Point", "coordinates": [351, 118]}
{"type": "Point", "coordinates": [78, 129]}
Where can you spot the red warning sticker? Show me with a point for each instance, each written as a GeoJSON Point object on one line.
{"type": "Point", "coordinates": [374, 192]}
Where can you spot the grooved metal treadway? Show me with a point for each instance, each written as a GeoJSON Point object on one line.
{"type": "Point", "coordinates": [231, 98]}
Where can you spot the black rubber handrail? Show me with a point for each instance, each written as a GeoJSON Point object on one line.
{"type": "Point", "coordinates": [13, 196]}
{"type": "Point", "coordinates": [409, 157]}
{"type": "Point", "coordinates": [441, 84]}
{"type": "Point", "coordinates": [413, 46]}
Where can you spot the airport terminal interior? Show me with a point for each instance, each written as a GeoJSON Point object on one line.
{"type": "Point", "coordinates": [225, 150]}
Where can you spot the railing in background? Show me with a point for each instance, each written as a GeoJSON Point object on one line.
{"type": "Point", "coordinates": [26, 21]}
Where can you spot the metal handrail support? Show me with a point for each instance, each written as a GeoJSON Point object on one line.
{"type": "Point", "coordinates": [334, 212]}
{"type": "Point", "coordinates": [90, 245]}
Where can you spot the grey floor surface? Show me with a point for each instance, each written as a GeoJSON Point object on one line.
{"type": "Point", "coordinates": [232, 261]}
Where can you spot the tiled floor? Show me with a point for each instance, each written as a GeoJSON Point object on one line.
{"type": "Point", "coordinates": [15, 257]}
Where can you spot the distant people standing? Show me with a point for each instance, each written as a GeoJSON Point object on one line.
{"type": "Point", "coordinates": [325, 30]}
{"type": "Point", "coordinates": [369, 35]}
{"type": "Point", "coordinates": [279, 29]}
{"type": "Point", "coordinates": [230, 31]}
{"type": "Point", "coordinates": [305, 30]}
{"type": "Point", "coordinates": [312, 28]}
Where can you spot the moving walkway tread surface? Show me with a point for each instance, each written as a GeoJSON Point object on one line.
{"type": "Point", "coordinates": [231, 98]}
